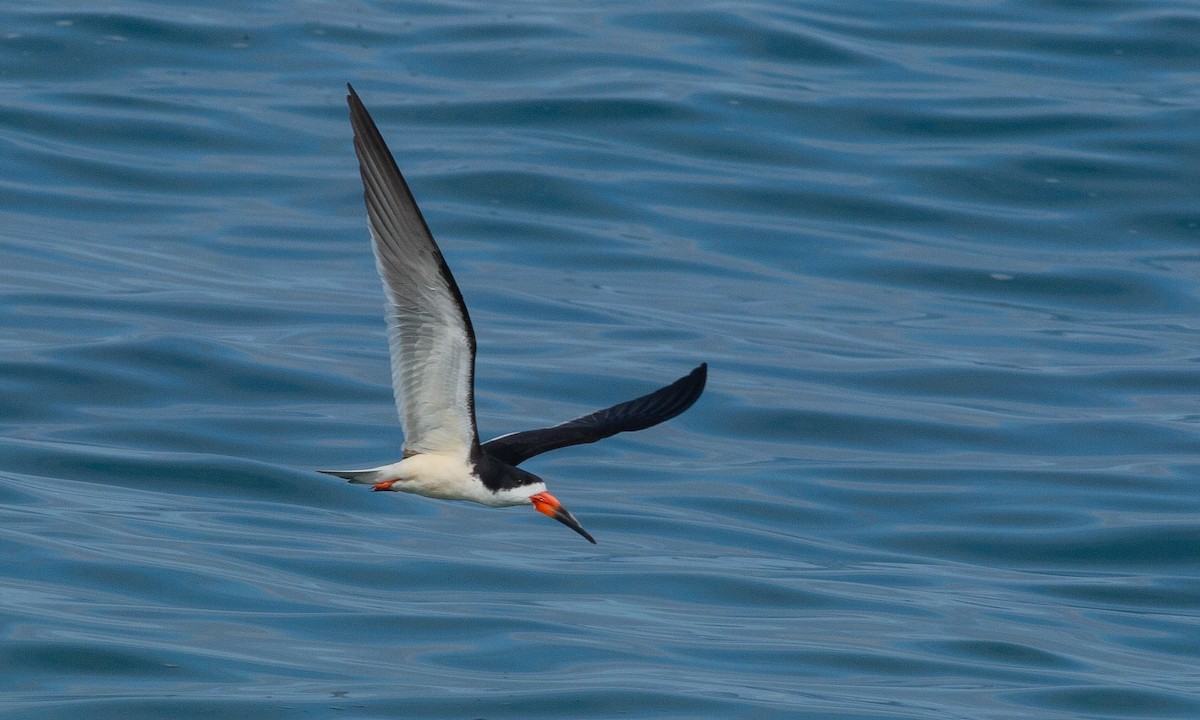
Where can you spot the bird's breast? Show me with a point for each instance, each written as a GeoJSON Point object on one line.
{"type": "Point", "coordinates": [452, 478]}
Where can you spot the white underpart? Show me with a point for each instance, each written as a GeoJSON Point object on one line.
{"type": "Point", "coordinates": [431, 356]}
{"type": "Point", "coordinates": [429, 334]}
{"type": "Point", "coordinates": [447, 477]}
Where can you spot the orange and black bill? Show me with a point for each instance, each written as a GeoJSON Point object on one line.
{"type": "Point", "coordinates": [548, 505]}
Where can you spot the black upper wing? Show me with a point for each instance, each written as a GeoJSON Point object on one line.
{"type": "Point", "coordinates": [637, 414]}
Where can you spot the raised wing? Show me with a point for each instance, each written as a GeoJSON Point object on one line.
{"type": "Point", "coordinates": [429, 331]}
{"type": "Point", "coordinates": [636, 414]}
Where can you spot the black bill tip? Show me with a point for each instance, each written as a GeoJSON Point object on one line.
{"type": "Point", "coordinates": [548, 505]}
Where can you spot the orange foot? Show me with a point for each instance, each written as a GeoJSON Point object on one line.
{"type": "Point", "coordinates": [383, 486]}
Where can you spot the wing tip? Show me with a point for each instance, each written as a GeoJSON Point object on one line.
{"type": "Point", "coordinates": [693, 385]}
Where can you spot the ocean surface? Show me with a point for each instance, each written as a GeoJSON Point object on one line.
{"type": "Point", "coordinates": [943, 259]}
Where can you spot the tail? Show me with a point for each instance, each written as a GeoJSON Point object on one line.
{"type": "Point", "coordinates": [358, 477]}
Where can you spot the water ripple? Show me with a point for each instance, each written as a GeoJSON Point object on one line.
{"type": "Point", "coordinates": [940, 259]}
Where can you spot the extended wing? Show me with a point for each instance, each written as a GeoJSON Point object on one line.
{"type": "Point", "coordinates": [429, 332]}
{"type": "Point", "coordinates": [637, 414]}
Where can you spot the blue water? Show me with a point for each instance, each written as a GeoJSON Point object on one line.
{"type": "Point", "coordinates": [942, 258]}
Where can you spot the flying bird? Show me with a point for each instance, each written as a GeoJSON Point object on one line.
{"type": "Point", "coordinates": [433, 365]}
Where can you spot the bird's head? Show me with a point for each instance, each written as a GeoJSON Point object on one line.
{"type": "Point", "coordinates": [548, 505]}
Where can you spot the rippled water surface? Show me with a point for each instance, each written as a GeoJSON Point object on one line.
{"type": "Point", "coordinates": [941, 258]}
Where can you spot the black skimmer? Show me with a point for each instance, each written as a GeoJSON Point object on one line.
{"type": "Point", "coordinates": [433, 365]}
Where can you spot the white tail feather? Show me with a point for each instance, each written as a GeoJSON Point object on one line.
{"type": "Point", "coordinates": [358, 477]}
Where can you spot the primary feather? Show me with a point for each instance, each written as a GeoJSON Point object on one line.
{"type": "Point", "coordinates": [429, 332]}
{"type": "Point", "coordinates": [637, 414]}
